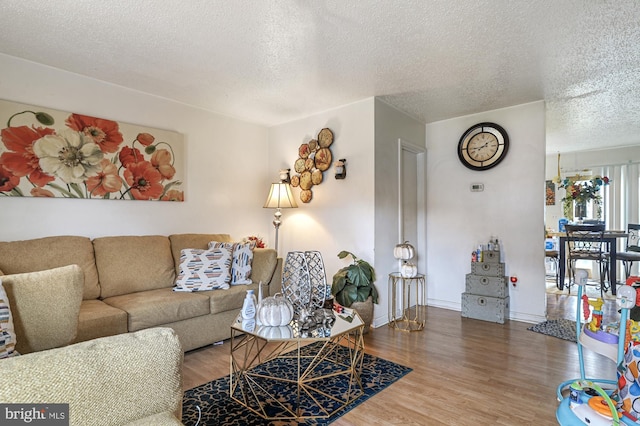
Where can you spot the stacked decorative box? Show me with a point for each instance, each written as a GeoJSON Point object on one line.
{"type": "Point", "coordinates": [486, 295]}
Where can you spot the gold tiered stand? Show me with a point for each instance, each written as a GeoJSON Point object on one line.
{"type": "Point", "coordinates": [405, 292]}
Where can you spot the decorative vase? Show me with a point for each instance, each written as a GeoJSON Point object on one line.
{"type": "Point", "coordinates": [408, 270]}
{"type": "Point", "coordinates": [304, 281]}
{"type": "Point", "coordinates": [581, 209]}
{"type": "Point", "coordinates": [404, 251]}
{"type": "Point", "coordinates": [365, 310]}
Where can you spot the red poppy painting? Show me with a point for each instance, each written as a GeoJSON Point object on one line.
{"type": "Point", "coordinates": [51, 153]}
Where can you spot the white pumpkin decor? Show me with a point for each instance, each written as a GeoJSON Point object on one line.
{"type": "Point", "coordinates": [404, 251]}
{"type": "Point", "coordinates": [269, 332]}
{"type": "Point", "coordinates": [408, 270]}
{"type": "Point", "coordinates": [275, 311]}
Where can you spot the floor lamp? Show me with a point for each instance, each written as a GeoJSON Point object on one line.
{"type": "Point", "coordinates": [280, 197]}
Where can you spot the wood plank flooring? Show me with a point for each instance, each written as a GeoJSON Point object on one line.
{"type": "Point", "coordinates": [465, 371]}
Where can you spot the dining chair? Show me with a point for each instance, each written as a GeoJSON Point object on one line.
{"type": "Point", "coordinates": [632, 251]}
{"type": "Point", "coordinates": [554, 257]}
{"type": "Point", "coordinates": [585, 242]}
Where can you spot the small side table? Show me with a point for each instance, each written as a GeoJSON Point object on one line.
{"type": "Point", "coordinates": [403, 291]}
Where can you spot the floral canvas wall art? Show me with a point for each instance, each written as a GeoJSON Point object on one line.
{"type": "Point", "coordinates": [550, 193]}
{"type": "Point", "coordinates": [51, 153]}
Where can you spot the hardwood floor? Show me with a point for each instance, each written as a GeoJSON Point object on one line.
{"type": "Point", "coordinates": [465, 372]}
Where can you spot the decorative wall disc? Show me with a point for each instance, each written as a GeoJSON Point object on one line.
{"type": "Point", "coordinates": [305, 180]}
{"type": "Point", "coordinates": [306, 195]}
{"type": "Point", "coordinates": [314, 158]}
{"type": "Point", "coordinates": [303, 151]}
{"type": "Point", "coordinates": [309, 164]}
{"type": "Point", "coordinates": [298, 166]}
{"type": "Point", "coordinates": [323, 159]}
{"type": "Point", "coordinates": [325, 138]}
{"type": "Point", "coordinates": [316, 177]}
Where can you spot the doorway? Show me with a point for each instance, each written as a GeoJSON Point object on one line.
{"type": "Point", "coordinates": [412, 212]}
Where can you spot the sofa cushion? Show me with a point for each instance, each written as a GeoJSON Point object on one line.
{"type": "Point", "coordinates": [204, 269]}
{"type": "Point", "coordinates": [195, 241]}
{"type": "Point", "coordinates": [227, 300]}
{"type": "Point", "coordinates": [97, 319]}
{"type": "Point", "coordinates": [158, 307]}
{"type": "Point", "coordinates": [45, 307]}
{"type": "Point", "coordinates": [129, 264]}
{"type": "Point", "coordinates": [242, 258]}
{"type": "Point", "coordinates": [17, 257]}
{"type": "Point", "coordinates": [7, 332]}
{"type": "Point", "coordinates": [263, 265]}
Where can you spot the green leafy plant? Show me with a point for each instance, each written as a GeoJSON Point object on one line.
{"type": "Point", "coordinates": [354, 282]}
{"type": "Point", "coordinates": [581, 192]}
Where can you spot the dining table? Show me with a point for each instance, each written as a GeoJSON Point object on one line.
{"type": "Point", "coordinates": [611, 241]}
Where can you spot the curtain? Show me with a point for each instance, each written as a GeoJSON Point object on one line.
{"type": "Point", "coordinates": [621, 199]}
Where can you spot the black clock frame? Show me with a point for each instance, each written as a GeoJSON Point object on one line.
{"type": "Point", "coordinates": [502, 154]}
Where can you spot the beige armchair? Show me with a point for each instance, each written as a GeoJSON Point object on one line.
{"type": "Point", "coordinates": [132, 378]}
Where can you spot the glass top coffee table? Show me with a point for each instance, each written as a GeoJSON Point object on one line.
{"type": "Point", "coordinates": [288, 373]}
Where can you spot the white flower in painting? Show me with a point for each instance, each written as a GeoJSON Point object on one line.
{"type": "Point", "coordinates": [69, 155]}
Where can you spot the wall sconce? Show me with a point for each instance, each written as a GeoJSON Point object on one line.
{"type": "Point", "coordinates": [285, 175]}
{"type": "Point", "coordinates": [341, 168]}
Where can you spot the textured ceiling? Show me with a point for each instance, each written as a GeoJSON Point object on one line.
{"type": "Point", "coordinates": [270, 62]}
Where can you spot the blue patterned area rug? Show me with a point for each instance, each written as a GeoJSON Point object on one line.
{"type": "Point", "coordinates": [217, 407]}
{"type": "Point", "coordinates": [561, 328]}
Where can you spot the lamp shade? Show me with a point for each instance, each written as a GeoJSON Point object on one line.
{"type": "Point", "coordinates": [280, 196]}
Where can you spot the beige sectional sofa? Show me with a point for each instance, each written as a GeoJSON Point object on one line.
{"type": "Point", "coordinates": [127, 379]}
{"type": "Point", "coordinates": [128, 283]}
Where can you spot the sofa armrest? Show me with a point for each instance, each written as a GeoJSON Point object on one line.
{"type": "Point", "coordinates": [111, 380]}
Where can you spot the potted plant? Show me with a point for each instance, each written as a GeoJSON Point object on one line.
{"type": "Point", "coordinates": [353, 287]}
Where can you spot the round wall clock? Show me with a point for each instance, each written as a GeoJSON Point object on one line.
{"type": "Point", "coordinates": [483, 146]}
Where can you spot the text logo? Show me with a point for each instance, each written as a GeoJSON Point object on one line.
{"type": "Point", "coordinates": [34, 414]}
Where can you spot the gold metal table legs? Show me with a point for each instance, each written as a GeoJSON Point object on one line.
{"type": "Point", "coordinates": [407, 298]}
{"type": "Point", "coordinates": [296, 378]}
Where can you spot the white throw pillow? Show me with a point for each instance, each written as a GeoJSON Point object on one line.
{"type": "Point", "coordinates": [7, 332]}
{"type": "Point", "coordinates": [242, 260]}
{"type": "Point", "coordinates": [204, 269]}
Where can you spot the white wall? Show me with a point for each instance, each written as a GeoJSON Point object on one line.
{"type": "Point", "coordinates": [341, 214]}
{"type": "Point", "coordinates": [510, 208]}
{"type": "Point", "coordinates": [360, 213]}
{"type": "Point", "coordinates": [227, 164]}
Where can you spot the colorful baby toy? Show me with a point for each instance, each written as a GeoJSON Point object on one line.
{"type": "Point", "coordinates": [596, 315]}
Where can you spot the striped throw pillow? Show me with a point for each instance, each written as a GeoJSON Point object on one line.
{"type": "Point", "coordinates": [7, 333]}
{"type": "Point", "coordinates": [204, 269]}
{"type": "Point", "coordinates": [242, 260]}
